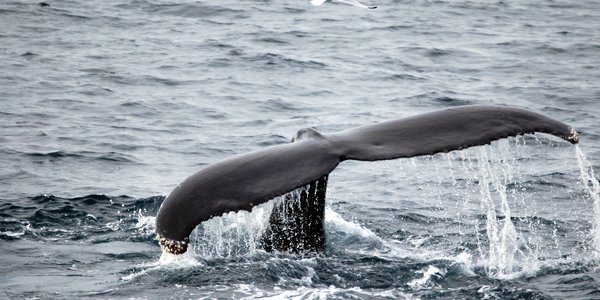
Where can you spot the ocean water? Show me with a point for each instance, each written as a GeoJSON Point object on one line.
{"type": "Point", "coordinates": [105, 106]}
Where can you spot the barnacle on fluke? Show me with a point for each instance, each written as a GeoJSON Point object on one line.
{"type": "Point", "coordinates": [172, 246]}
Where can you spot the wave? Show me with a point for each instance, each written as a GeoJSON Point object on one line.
{"type": "Point", "coordinates": [266, 61]}
{"type": "Point", "coordinates": [189, 10]}
{"type": "Point", "coordinates": [82, 155]}
{"type": "Point", "coordinates": [279, 60]}
{"type": "Point", "coordinates": [48, 216]}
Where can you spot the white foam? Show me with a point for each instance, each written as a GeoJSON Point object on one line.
{"type": "Point", "coordinates": [427, 275]}
{"type": "Point", "coordinates": [320, 293]}
{"type": "Point", "coordinates": [335, 219]}
{"type": "Point", "coordinates": [166, 261]}
{"type": "Point", "coordinates": [26, 227]}
{"type": "Point", "coordinates": [464, 259]}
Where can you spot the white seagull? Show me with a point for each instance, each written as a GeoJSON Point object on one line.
{"type": "Point", "coordinates": [351, 2]}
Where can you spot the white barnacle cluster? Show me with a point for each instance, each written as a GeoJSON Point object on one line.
{"type": "Point", "coordinates": [573, 136]}
{"type": "Point", "coordinates": [172, 246]}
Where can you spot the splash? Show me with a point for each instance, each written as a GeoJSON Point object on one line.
{"type": "Point", "coordinates": [234, 234]}
{"type": "Point", "coordinates": [167, 261]}
{"type": "Point", "coordinates": [491, 176]}
{"type": "Point", "coordinates": [146, 225]}
{"type": "Point", "coordinates": [427, 276]}
{"type": "Point", "coordinates": [335, 222]}
{"type": "Point", "coordinates": [494, 174]}
{"type": "Point", "coordinates": [507, 249]}
{"type": "Point", "coordinates": [592, 187]}
{"type": "Point", "coordinates": [239, 234]}
{"type": "Point", "coordinates": [184, 260]}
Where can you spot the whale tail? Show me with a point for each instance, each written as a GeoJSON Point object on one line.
{"type": "Point", "coordinates": [245, 181]}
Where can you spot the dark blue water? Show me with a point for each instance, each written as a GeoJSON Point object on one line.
{"type": "Point", "coordinates": [106, 106]}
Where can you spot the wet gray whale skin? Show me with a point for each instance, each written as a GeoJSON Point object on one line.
{"type": "Point", "coordinates": [245, 181]}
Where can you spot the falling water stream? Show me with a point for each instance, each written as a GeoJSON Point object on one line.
{"type": "Point", "coordinates": [592, 187]}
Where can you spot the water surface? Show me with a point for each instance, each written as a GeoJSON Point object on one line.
{"type": "Point", "coordinates": [107, 106]}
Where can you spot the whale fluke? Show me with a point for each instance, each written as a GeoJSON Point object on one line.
{"type": "Point", "coordinates": [245, 181]}
{"type": "Point", "coordinates": [445, 130]}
